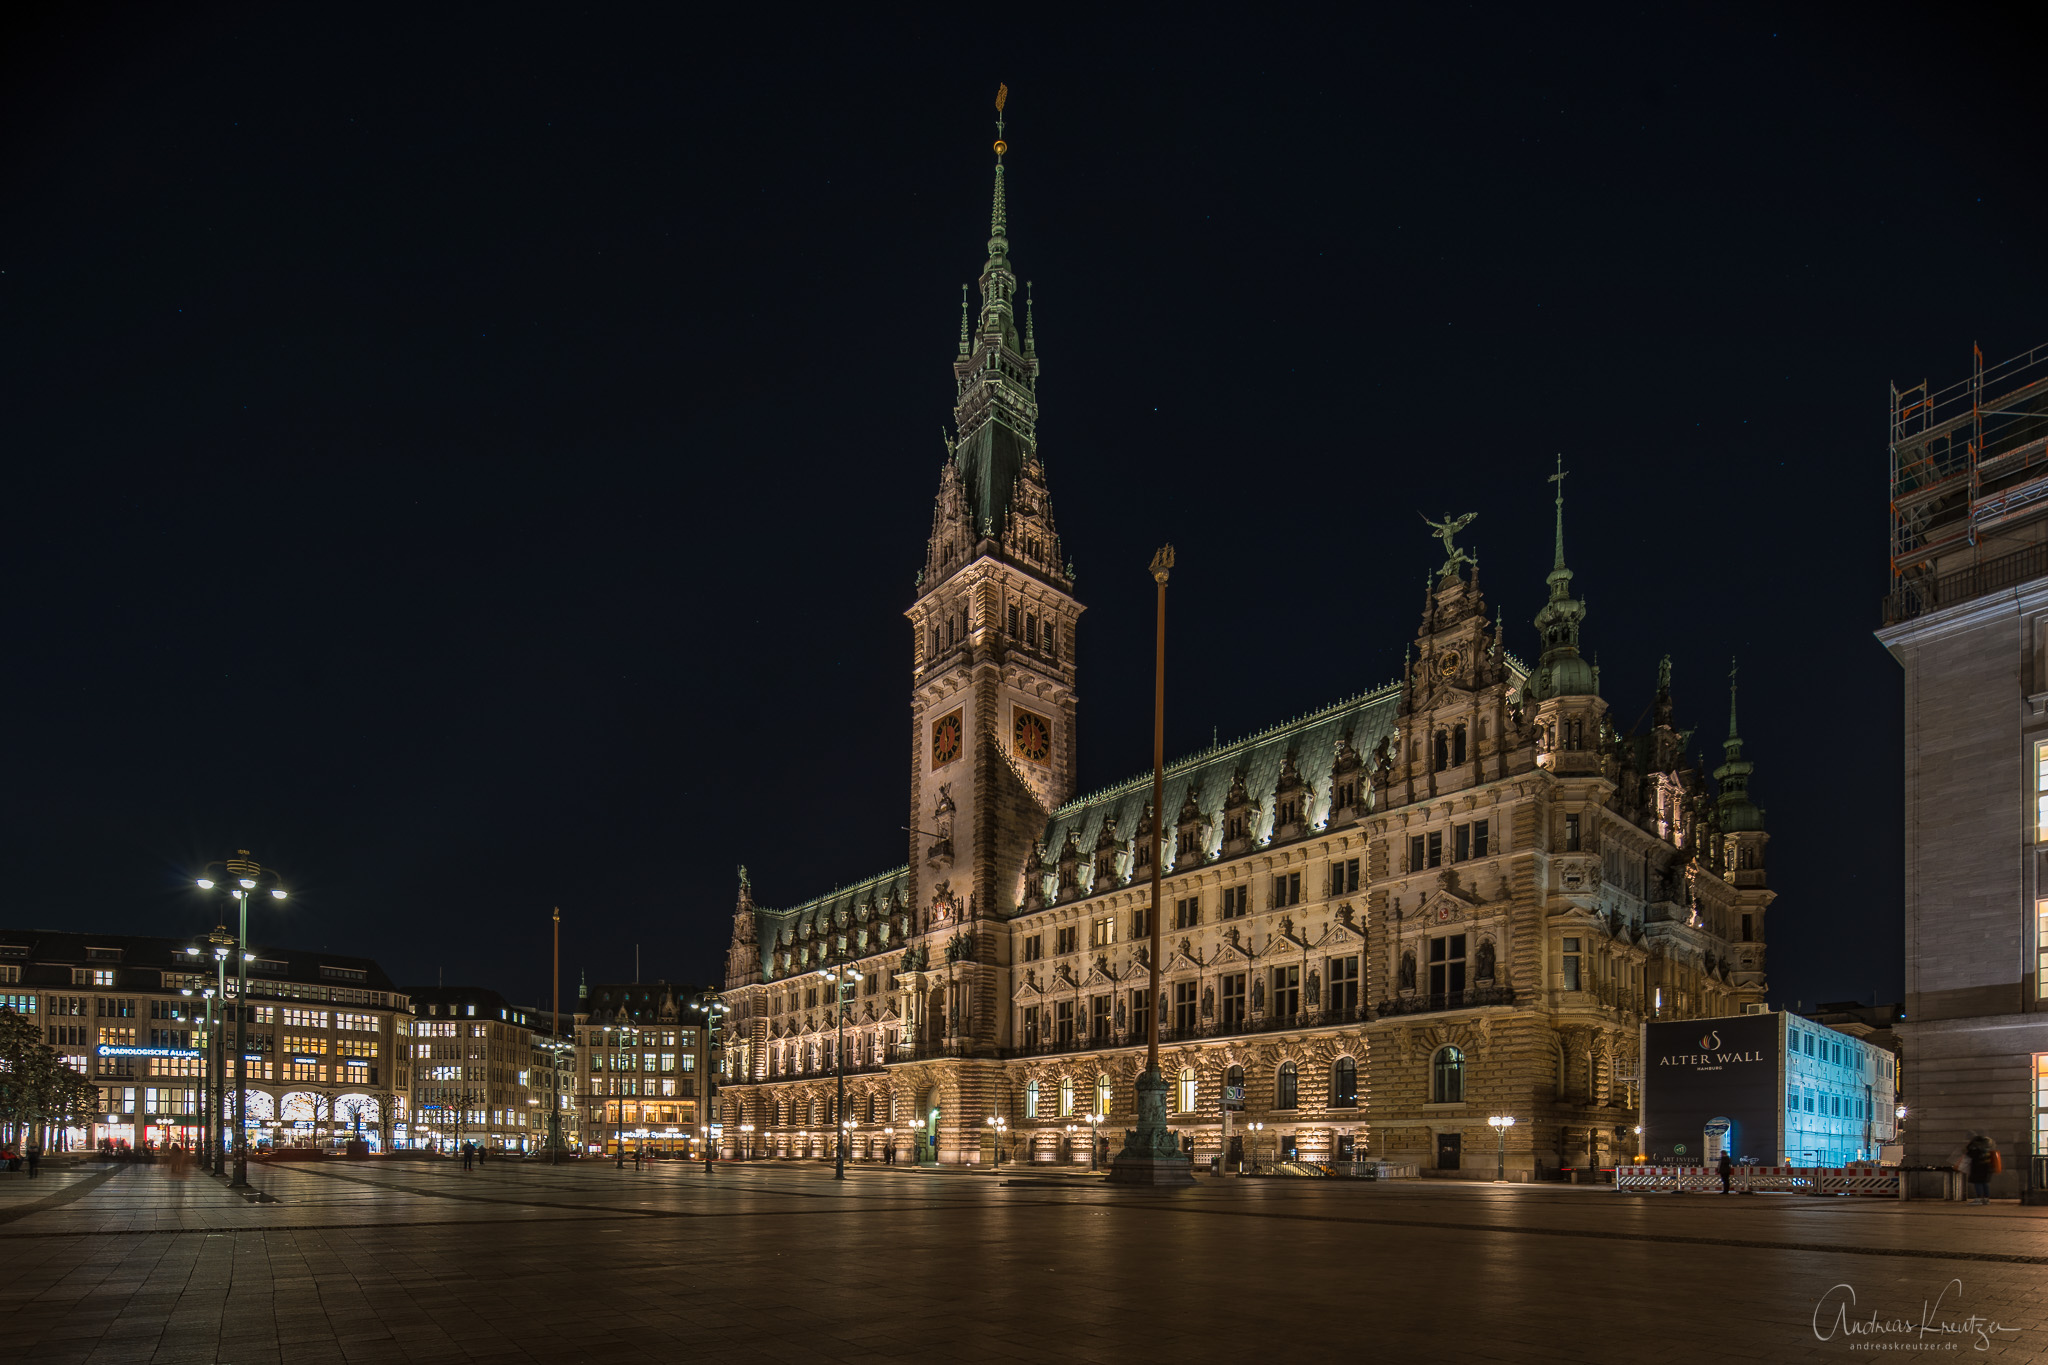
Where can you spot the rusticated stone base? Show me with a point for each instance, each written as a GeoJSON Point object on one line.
{"type": "Point", "coordinates": [1160, 1172]}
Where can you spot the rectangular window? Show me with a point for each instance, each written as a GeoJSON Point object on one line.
{"type": "Point", "coordinates": [2041, 951]}
{"type": "Point", "coordinates": [1102, 932]}
{"type": "Point", "coordinates": [1571, 834]}
{"type": "Point", "coordinates": [1447, 965]}
{"type": "Point", "coordinates": [1098, 1023]}
{"type": "Point", "coordinates": [1141, 1013]}
{"type": "Point", "coordinates": [1344, 877]}
{"type": "Point", "coordinates": [1034, 948]}
{"type": "Point", "coordinates": [1571, 964]}
{"type": "Point", "coordinates": [1461, 843]}
{"type": "Point", "coordinates": [1286, 889]}
{"type": "Point", "coordinates": [1748, 928]}
{"type": "Point", "coordinates": [2041, 792]}
{"type": "Point", "coordinates": [1141, 922]}
{"type": "Point", "coordinates": [1233, 1000]}
{"type": "Point", "coordinates": [1063, 1022]}
{"type": "Point", "coordinates": [1344, 984]}
{"type": "Point", "coordinates": [1185, 1004]}
{"type": "Point", "coordinates": [1479, 843]}
{"type": "Point", "coordinates": [1286, 991]}
{"type": "Point", "coordinates": [1187, 912]}
{"type": "Point", "coordinates": [1436, 848]}
{"type": "Point", "coordinates": [1236, 901]}
{"type": "Point", "coordinates": [1416, 852]}
{"type": "Point", "coordinates": [1069, 938]}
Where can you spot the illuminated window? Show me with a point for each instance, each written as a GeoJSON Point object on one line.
{"type": "Point", "coordinates": [2041, 1101]}
{"type": "Point", "coordinates": [1344, 1084]}
{"type": "Point", "coordinates": [1186, 1091]}
{"type": "Point", "coordinates": [1571, 964]}
{"type": "Point", "coordinates": [1102, 1094]}
{"type": "Point", "coordinates": [1286, 1087]}
{"type": "Point", "coordinates": [2040, 953]}
{"type": "Point", "coordinates": [1031, 1099]}
{"type": "Point", "coordinates": [2041, 792]}
{"type": "Point", "coordinates": [1066, 1096]}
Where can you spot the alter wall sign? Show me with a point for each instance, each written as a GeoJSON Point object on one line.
{"type": "Point", "coordinates": [1698, 1070]}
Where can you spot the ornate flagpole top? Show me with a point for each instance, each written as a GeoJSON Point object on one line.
{"type": "Point", "coordinates": [1162, 562]}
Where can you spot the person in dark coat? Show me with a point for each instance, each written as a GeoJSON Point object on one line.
{"type": "Point", "coordinates": [1726, 1166]}
{"type": "Point", "coordinates": [1982, 1158]}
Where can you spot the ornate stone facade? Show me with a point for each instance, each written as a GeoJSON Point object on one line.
{"type": "Point", "coordinates": [1452, 897]}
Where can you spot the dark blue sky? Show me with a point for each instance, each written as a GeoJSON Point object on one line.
{"type": "Point", "coordinates": [478, 462]}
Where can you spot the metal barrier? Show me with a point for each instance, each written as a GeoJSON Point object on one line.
{"type": "Point", "coordinates": [1864, 1179]}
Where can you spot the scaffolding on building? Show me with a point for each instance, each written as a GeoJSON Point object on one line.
{"type": "Point", "coordinates": [1969, 469]}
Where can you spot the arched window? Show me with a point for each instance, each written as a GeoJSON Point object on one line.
{"type": "Point", "coordinates": [1447, 1077]}
{"type": "Point", "coordinates": [1187, 1093]}
{"type": "Point", "coordinates": [1344, 1084]}
{"type": "Point", "coordinates": [1286, 1087]}
{"type": "Point", "coordinates": [1066, 1096]}
{"type": "Point", "coordinates": [1102, 1095]}
{"type": "Point", "coordinates": [1233, 1083]}
{"type": "Point", "coordinates": [1031, 1099]}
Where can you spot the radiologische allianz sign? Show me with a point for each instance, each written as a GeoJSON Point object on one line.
{"type": "Point", "coordinates": [184, 1054]}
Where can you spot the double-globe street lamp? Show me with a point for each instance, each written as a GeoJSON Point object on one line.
{"type": "Point", "coordinates": [842, 979]}
{"type": "Point", "coordinates": [1500, 1123]}
{"type": "Point", "coordinates": [246, 877]}
{"type": "Point", "coordinates": [1001, 1126]}
{"type": "Point", "coordinates": [710, 1009]}
{"type": "Point", "coordinates": [222, 943]}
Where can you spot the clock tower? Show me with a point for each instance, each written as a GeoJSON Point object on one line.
{"type": "Point", "coordinates": [992, 652]}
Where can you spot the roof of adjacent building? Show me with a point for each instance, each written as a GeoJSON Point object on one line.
{"type": "Point", "coordinates": [643, 1002]}
{"type": "Point", "coordinates": [47, 956]}
{"type": "Point", "coordinates": [472, 1001]}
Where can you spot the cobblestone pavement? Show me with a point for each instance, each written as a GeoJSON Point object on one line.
{"type": "Point", "coordinates": [418, 1261]}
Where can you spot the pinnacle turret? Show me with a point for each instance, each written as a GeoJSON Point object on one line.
{"type": "Point", "coordinates": [1560, 670]}
{"type": "Point", "coordinates": [1738, 812]}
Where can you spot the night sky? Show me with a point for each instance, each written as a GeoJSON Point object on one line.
{"type": "Point", "coordinates": [479, 462]}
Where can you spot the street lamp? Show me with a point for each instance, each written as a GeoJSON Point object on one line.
{"type": "Point", "coordinates": [1255, 1129]}
{"type": "Point", "coordinates": [247, 877]}
{"type": "Point", "coordinates": [845, 1136]}
{"type": "Point", "coordinates": [1001, 1126]}
{"type": "Point", "coordinates": [747, 1141]}
{"type": "Point", "coordinates": [889, 1136]}
{"type": "Point", "coordinates": [1639, 1144]}
{"type": "Point", "coordinates": [1094, 1136]}
{"type": "Point", "coordinates": [842, 978]}
{"type": "Point", "coordinates": [1500, 1123]}
{"type": "Point", "coordinates": [710, 1011]}
{"type": "Point", "coordinates": [618, 1109]}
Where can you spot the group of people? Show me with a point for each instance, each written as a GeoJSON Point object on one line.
{"type": "Point", "coordinates": [31, 1156]}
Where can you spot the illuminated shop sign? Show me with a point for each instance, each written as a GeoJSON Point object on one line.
{"type": "Point", "coordinates": [186, 1054]}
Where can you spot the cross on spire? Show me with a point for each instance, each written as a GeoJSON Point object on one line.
{"type": "Point", "coordinates": [1558, 478]}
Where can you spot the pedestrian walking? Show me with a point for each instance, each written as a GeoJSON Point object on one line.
{"type": "Point", "coordinates": [638, 1152]}
{"type": "Point", "coordinates": [1984, 1163]}
{"type": "Point", "coordinates": [468, 1156]}
{"type": "Point", "coordinates": [35, 1160]}
{"type": "Point", "coordinates": [1726, 1166]}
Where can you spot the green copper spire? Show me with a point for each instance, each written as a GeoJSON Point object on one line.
{"type": "Point", "coordinates": [1738, 812]}
{"type": "Point", "coordinates": [1560, 671]}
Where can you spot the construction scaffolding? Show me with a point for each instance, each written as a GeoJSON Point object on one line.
{"type": "Point", "coordinates": [1969, 469]}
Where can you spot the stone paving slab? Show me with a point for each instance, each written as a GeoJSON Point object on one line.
{"type": "Point", "coordinates": [424, 1262]}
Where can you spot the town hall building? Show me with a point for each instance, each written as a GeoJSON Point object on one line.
{"type": "Point", "coordinates": [1449, 898]}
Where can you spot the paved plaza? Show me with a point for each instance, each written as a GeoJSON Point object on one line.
{"type": "Point", "coordinates": [419, 1261]}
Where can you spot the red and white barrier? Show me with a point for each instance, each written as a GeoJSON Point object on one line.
{"type": "Point", "coordinates": [1854, 1179]}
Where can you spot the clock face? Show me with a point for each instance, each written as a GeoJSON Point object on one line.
{"type": "Point", "coordinates": [945, 739]}
{"type": "Point", "coordinates": [1034, 736]}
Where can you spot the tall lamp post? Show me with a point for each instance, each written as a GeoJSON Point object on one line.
{"type": "Point", "coordinates": [247, 877]}
{"type": "Point", "coordinates": [1152, 1154]}
{"type": "Point", "coordinates": [1094, 1137]}
{"type": "Point", "coordinates": [555, 1053]}
{"type": "Point", "coordinates": [209, 1107]}
{"type": "Point", "coordinates": [1500, 1123]}
{"type": "Point", "coordinates": [612, 1102]}
{"type": "Point", "coordinates": [747, 1141]}
{"type": "Point", "coordinates": [1000, 1126]}
{"type": "Point", "coordinates": [842, 979]}
{"type": "Point", "coordinates": [710, 1011]}
{"type": "Point", "coordinates": [1255, 1128]}
{"type": "Point", "coordinates": [222, 943]}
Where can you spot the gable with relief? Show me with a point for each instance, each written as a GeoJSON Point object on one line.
{"type": "Point", "coordinates": [1446, 907]}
